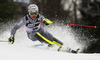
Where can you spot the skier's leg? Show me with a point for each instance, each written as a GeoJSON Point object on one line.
{"type": "Point", "coordinates": [58, 42]}
{"type": "Point", "coordinates": [43, 39]}
{"type": "Point", "coordinates": [50, 43]}
{"type": "Point", "coordinates": [31, 36]}
{"type": "Point", "coordinates": [42, 33]}
{"type": "Point", "coordinates": [49, 36]}
{"type": "Point", "coordinates": [46, 34]}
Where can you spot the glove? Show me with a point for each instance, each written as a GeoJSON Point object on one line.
{"type": "Point", "coordinates": [11, 40]}
{"type": "Point", "coordinates": [47, 22]}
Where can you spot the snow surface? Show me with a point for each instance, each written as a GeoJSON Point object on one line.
{"type": "Point", "coordinates": [16, 52]}
{"type": "Point", "coordinates": [23, 48]}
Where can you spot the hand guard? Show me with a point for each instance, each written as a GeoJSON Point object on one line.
{"type": "Point", "coordinates": [47, 22]}
{"type": "Point", "coordinates": [11, 40]}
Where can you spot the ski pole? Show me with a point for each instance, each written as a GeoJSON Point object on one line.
{"type": "Point", "coordinates": [58, 23]}
{"type": "Point", "coordinates": [3, 41]}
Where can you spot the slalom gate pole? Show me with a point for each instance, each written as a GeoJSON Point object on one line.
{"type": "Point", "coordinates": [82, 25]}
{"type": "Point", "coordinates": [77, 25]}
{"type": "Point", "coordinates": [3, 41]}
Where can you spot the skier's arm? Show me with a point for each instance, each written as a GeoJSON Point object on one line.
{"type": "Point", "coordinates": [46, 21]}
{"type": "Point", "coordinates": [13, 31]}
{"type": "Point", "coordinates": [17, 26]}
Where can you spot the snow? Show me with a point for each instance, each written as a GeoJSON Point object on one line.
{"type": "Point", "coordinates": [23, 48]}
{"type": "Point", "coordinates": [16, 52]}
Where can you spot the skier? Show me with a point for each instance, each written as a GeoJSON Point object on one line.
{"type": "Point", "coordinates": [32, 22]}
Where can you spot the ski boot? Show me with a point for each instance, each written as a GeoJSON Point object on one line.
{"type": "Point", "coordinates": [49, 45]}
{"type": "Point", "coordinates": [71, 51]}
{"type": "Point", "coordinates": [59, 48]}
{"type": "Point", "coordinates": [58, 42]}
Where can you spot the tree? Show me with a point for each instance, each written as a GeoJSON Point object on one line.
{"type": "Point", "coordinates": [91, 15]}
{"type": "Point", "coordinates": [7, 9]}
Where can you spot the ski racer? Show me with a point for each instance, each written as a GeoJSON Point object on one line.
{"type": "Point", "coordinates": [32, 22]}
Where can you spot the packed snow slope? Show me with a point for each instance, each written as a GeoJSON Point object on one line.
{"type": "Point", "coordinates": [24, 49]}
{"type": "Point", "coordinates": [16, 52]}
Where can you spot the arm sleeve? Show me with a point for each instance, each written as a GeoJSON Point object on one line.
{"type": "Point", "coordinates": [17, 26]}
{"type": "Point", "coordinates": [42, 17]}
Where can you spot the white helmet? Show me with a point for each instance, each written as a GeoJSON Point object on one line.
{"type": "Point", "coordinates": [32, 8]}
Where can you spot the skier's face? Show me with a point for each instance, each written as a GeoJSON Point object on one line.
{"type": "Point", "coordinates": [33, 15]}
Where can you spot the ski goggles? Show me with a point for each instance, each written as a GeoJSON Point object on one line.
{"type": "Point", "coordinates": [33, 13]}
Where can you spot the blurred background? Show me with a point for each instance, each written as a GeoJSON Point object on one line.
{"type": "Point", "coordinates": [83, 12]}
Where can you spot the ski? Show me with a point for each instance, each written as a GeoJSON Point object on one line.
{"type": "Point", "coordinates": [38, 45]}
{"type": "Point", "coordinates": [68, 50]}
